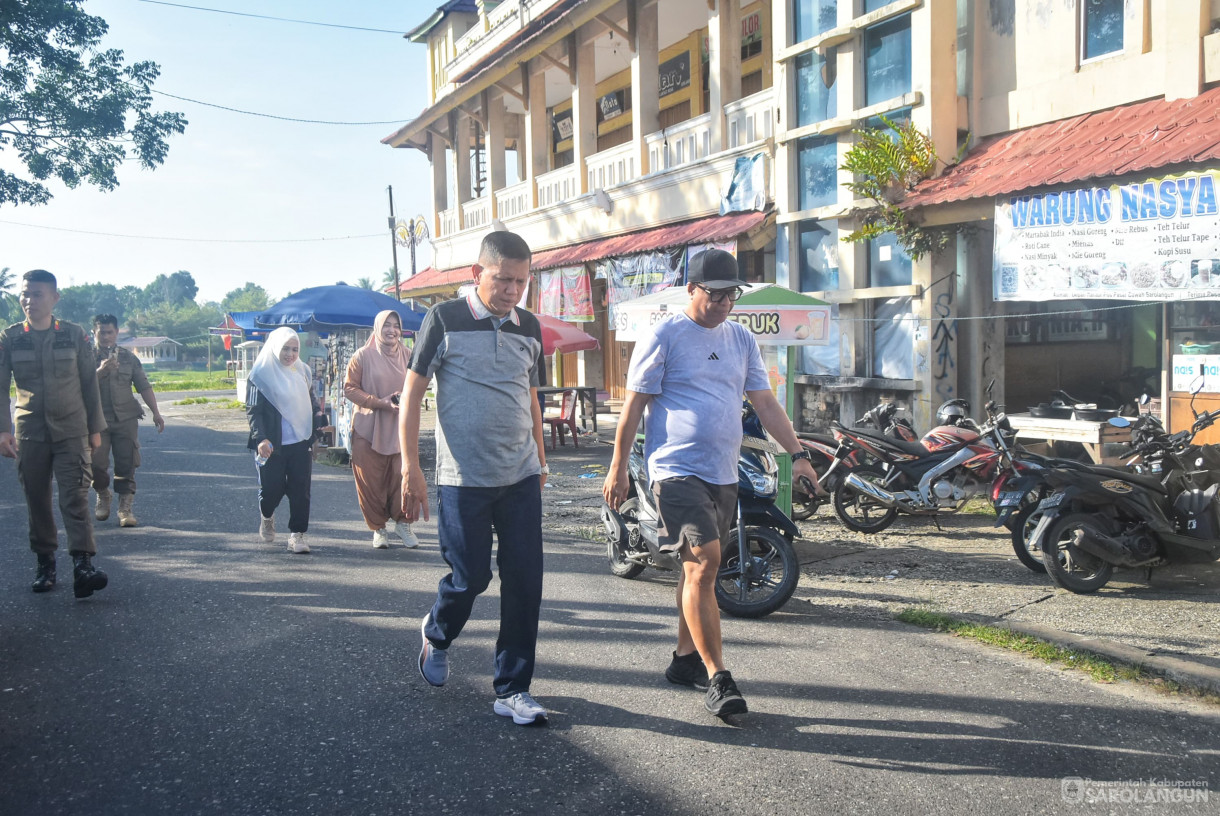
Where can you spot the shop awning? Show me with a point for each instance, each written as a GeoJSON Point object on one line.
{"type": "Point", "coordinates": [433, 281]}
{"type": "Point", "coordinates": [1129, 139]}
{"type": "Point", "coordinates": [699, 231]}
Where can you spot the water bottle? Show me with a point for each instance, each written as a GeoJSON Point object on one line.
{"type": "Point", "coordinates": [259, 459]}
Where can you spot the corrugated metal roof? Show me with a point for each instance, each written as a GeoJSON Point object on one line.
{"type": "Point", "coordinates": [1135, 138]}
{"type": "Point", "coordinates": [700, 231]}
{"type": "Point", "coordinates": [146, 342]}
{"type": "Point", "coordinates": [433, 279]}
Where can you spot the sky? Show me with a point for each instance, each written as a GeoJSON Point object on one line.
{"type": "Point", "coordinates": [232, 179]}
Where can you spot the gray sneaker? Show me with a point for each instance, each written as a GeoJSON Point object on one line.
{"type": "Point", "coordinates": [522, 708]}
{"type": "Point", "coordinates": [433, 662]}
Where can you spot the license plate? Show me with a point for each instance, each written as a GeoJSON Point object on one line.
{"type": "Point", "coordinates": [1010, 498]}
{"type": "Point", "coordinates": [1053, 500]}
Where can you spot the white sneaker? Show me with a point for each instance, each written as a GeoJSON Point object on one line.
{"type": "Point", "coordinates": [402, 529]}
{"type": "Point", "coordinates": [266, 529]}
{"type": "Point", "coordinates": [296, 543]}
{"type": "Point", "coordinates": [522, 708]}
{"type": "Point", "coordinates": [381, 541]}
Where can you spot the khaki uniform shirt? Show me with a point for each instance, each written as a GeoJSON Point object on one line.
{"type": "Point", "coordinates": [56, 375]}
{"type": "Point", "coordinates": [118, 402]}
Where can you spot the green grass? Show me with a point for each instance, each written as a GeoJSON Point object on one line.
{"type": "Point", "coordinates": [225, 403]}
{"type": "Point", "coordinates": [1098, 668]}
{"type": "Point", "coordinates": [189, 380]}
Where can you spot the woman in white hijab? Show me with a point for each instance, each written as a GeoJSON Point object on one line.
{"type": "Point", "coordinates": [283, 422]}
{"type": "Point", "coordinates": [374, 382]}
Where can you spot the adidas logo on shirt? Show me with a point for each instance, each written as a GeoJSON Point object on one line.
{"type": "Point", "coordinates": [713, 356]}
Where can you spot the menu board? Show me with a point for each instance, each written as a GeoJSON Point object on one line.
{"type": "Point", "coordinates": [1150, 240]}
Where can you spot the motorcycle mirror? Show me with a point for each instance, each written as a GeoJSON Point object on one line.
{"type": "Point", "coordinates": [990, 386]}
{"type": "Point", "coordinates": [1144, 398]}
{"type": "Point", "coordinates": [1119, 422]}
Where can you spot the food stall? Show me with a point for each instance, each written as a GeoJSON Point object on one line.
{"type": "Point", "coordinates": [1193, 348]}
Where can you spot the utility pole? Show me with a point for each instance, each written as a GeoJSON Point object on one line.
{"type": "Point", "coordinates": [394, 245]}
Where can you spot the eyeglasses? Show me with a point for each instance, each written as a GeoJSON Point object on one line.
{"type": "Point", "coordinates": [718, 295]}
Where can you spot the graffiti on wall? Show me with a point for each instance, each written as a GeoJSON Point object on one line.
{"type": "Point", "coordinates": [944, 368]}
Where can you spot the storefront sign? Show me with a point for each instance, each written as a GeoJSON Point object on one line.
{"type": "Point", "coordinates": [1187, 369]}
{"type": "Point", "coordinates": [674, 74]}
{"type": "Point", "coordinates": [561, 126]}
{"type": "Point", "coordinates": [770, 325]}
{"type": "Point", "coordinates": [1151, 240]}
{"type": "Point", "coordinates": [610, 106]}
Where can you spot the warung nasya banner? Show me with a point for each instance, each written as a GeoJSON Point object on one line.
{"type": "Point", "coordinates": [1151, 240]}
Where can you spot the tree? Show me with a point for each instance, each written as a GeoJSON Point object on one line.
{"type": "Point", "coordinates": [366, 283]}
{"type": "Point", "coordinates": [249, 298]}
{"type": "Point", "coordinates": [175, 290]}
{"type": "Point", "coordinates": [80, 303]}
{"type": "Point", "coordinates": [69, 110]}
{"type": "Point", "coordinates": [387, 280]}
{"type": "Point", "coordinates": [10, 307]}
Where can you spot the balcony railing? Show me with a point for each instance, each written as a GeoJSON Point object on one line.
{"type": "Point", "coordinates": [505, 20]}
{"type": "Point", "coordinates": [449, 221]}
{"type": "Point", "coordinates": [476, 213]}
{"type": "Point", "coordinates": [750, 119]}
{"type": "Point", "coordinates": [612, 167]}
{"type": "Point", "coordinates": [513, 201]}
{"type": "Point", "coordinates": [684, 143]}
{"type": "Point", "coordinates": [557, 185]}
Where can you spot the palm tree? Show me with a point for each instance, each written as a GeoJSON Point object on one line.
{"type": "Point", "coordinates": [387, 280]}
{"type": "Point", "coordinates": [365, 283]}
{"type": "Point", "coordinates": [10, 307]}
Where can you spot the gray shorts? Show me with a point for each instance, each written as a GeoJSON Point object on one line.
{"type": "Point", "coordinates": [693, 511]}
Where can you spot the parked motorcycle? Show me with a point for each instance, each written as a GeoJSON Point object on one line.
{"type": "Point", "coordinates": [823, 448]}
{"type": "Point", "coordinates": [953, 462]}
{"type": "Point", "coordinates": [1101, 518]}
{"type": "Point", "coordinates": [758, 565]}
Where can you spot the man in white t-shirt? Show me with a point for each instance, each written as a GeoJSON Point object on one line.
{"type": "Point", "coordinates": [690, 373]}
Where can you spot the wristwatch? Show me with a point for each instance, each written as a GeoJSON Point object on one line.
{"type": "Point", "coordinates": [802, 454]}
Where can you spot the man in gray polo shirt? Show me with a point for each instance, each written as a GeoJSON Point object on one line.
{"type": "Point", "coordinates": [486, 356]}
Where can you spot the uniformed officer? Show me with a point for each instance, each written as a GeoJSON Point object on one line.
{"type": "Point", "coordinates": [59, 422]}
{"type": "Point", "coordinates": [117, 371]}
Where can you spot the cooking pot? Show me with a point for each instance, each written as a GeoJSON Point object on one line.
{"type": "Point", "coordinates": [1045, 410]}
{"type": "Point", "coordinates": [1095, 414]}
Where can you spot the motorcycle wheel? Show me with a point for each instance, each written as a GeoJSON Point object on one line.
{"type": "Point", "coordinates": [861, 512]}
{"type": "Point", "coordinates": [768, 580]}
{"type": "Point", "coordinates": [620, 564]}
{"type": "Point", "coordinates": [1022, 526]}
{"type": "Point", "coordinates": [1070, 568]}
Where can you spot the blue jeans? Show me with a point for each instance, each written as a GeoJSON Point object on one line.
{"type": "Point", "coordinates": [466, 517]}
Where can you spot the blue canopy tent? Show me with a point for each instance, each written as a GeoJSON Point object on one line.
{"type": "Point", "coordinates": [332, 308]}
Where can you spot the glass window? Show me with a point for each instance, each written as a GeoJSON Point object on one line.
{"type": "Point", "coordinates": [816, 88]}
{"type": "Point", "coordinates": [818, 263]}
{"type": "Point", "coordinates": [899, 117]}
{"type": "Point", "coordinates": [814, 17]}
{"type": "Point", "coordinates": [873, 5]}
{"type": "Point", "coordinates": [894, 339]}
{"type": "Point", "coordinates": [887, 60]}
{"type": "Point", "coordinates": [1102, 28]}
{"type": "Point", "coordinates": [888, 263]}
{"type": "Point", "coordinates": [817, 166]}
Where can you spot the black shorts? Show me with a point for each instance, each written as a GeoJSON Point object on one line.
{"type": "Point", "coordinates": [693, 512]}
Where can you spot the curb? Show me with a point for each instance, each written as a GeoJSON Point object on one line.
{"type": "Point", "coordinates": [1186, 672]}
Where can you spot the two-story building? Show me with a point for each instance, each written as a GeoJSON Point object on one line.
{"type": "Point", "coordinates": [612, 135]}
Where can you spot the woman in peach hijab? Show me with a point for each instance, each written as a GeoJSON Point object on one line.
{"type": "Point", "coordinates": [374, 382]}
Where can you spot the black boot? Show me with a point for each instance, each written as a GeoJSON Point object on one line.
{"type": "Point", "coordinates": [44, 579]}
{"type": "Point", "coordinates": [87, 578]}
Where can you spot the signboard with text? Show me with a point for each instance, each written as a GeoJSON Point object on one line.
{"type": "Point", "coordinates": [1187, 369]}
{"type": "Point", "coordinates": [1151, 240]}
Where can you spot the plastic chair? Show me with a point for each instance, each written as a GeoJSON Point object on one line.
{"type": "Point", "coordinates": [565, 419]}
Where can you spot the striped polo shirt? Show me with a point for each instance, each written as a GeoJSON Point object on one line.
{"type": "Point", "coordinates": [484, 368]}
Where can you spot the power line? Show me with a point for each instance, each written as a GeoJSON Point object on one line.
{"type": "Point", "coordinates": [277, 19]}
{"type": "Point", "coordinates": [270, 115]}
{"type": "Point", "coordinates": [198, 240]}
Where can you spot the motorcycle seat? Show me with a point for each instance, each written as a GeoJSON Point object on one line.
{"type": "Point", "coordinates": [1150, 482]}
{"type": "Point", "coordinates": [913, 448]}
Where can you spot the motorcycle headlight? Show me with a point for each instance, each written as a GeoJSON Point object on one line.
{"type": "Point", "coordinates": [764, 484]}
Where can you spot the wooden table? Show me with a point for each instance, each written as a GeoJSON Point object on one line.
{"type": "Point", "coordinates": [588, 401]}
{"type": "Point", "coordinates": [1092, 435]}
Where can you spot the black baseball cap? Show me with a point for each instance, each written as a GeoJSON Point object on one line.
{"type": "Point", "coordinates": [714, 269]}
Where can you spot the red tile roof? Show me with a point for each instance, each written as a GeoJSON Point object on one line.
{"type": "Point", "coordinates": [432, 278]}
{"type": "Point", "coordinates": [1135, 138]}
{"type": "Point", "coordinates": [702, 230]}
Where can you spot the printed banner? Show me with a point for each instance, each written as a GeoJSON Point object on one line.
{"type": "Point", "coordinates": [779, 325]}
{"type": "Point", "coordinates": [566, 294]}
{"type": "Point", "coordinates": [1152, 240]}
{"type": "Point", "coordinates": [638, 275]}
{"type": "Point", "coordinates": [1187, 369]}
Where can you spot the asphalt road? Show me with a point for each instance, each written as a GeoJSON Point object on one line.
{"type": "Point", "coordinates": [220, 675]}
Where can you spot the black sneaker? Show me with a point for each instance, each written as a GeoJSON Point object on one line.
{"type": "Point", "coordinates": [723, 698]}
{"type": "Point", "coordinates": [687, 670]}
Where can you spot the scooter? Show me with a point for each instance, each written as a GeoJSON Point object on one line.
{"type": "Point", "coordinates": [1103, 518]}
{"type": "Point", "coordinates": [758, 565]}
